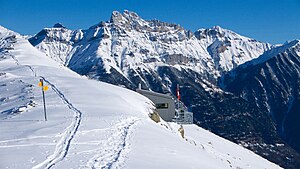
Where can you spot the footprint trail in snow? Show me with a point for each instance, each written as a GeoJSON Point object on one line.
{"type": "Point", "coordinates": [114, 149]}
{"type": "Point", "coordinates": [63, 145]}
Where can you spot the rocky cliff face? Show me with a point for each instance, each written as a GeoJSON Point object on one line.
{"type": "Point", "coordinates": [7, 38]}
{"type": "Point", "coordinates": [228, 49]}
{"type": "Point", "coordinates": [127, 50]}
{"type": "Point", "coordinates": [272, 83]}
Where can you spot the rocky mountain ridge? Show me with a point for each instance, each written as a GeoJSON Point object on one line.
{"type": "Point", "coordinates": [152, 43]}
{"type": "Point", "coordinates": [272, 83]}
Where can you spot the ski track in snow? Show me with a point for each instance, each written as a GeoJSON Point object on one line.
{"type": "Point", "coordinates": [110, 155]}
{"type": "Point", "coordinates": [64, 143]}
{"type": "Point", "coordinates": [113, 151]}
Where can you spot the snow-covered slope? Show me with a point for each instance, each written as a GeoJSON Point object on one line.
{"type": "Point", "coordinates": [92, 124]}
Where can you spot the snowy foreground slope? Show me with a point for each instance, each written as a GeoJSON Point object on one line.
{"type": "Point", "coordinates": [93, 124]}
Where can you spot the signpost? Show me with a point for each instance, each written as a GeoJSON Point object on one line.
{"type": "Point", "coordinates": [44, 88]}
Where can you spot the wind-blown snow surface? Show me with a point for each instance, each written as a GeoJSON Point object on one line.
{"type": "Point", "coordinates": [93, 124]}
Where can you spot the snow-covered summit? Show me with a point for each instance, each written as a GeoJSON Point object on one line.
{"type": "Point", "coordinates": [217, 32]}
{"type": "Point", "coordinates": [229, 49]}
{"type": "Point", "coordinates": [2, 29]}
{"type": "Point", "coordinates": [132, 21]}
{"type": "Point", "coordinates": [58, 25]}
{"type": "Point", "coordinates": [286, 47]}
{"type": "Point", "coordinates": [7, 39]}
{"type": "Point", "coordinates": [127, 16]}
{"type": "Point", "coordinates": [57, 42]}
{"type": "Point", "coordinates": [4, 32]}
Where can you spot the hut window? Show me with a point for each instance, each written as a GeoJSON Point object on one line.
{"type": "Point", "coordinates": [162, 105]}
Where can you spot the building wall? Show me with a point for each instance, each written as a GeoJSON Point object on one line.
{"type": "Point", "coordinates": [165, 113]}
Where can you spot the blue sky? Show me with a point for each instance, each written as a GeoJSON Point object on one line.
{"type": "Point", "coordinates": [273, 21]}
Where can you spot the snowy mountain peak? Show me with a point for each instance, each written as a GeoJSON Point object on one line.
{"type": "Point", "coordinates": [130, 14]}
{"type": "Point", "coordinates": [295, 44]}
{"type": "Point", "coordinates": [58, 25]}
{"type": "Point", "coordinates": [127, 43]}
{"type": "Point", "coordinates": [219, 29]}
{"type": "Point", "coordinates": [127, 17]}
{"type": "Point", "coordinates": [292, 45]}
{"type": "Point", "coordinates": [56, 42]}
{"type": "Point", "coordinates": [131, 21]}
{"type": "Point", "coordinates": [115, 17]}
{"type": "Point", "coordinates": [217, 32]}
{"type": "Point", "coordinates": [2, 29]}
{"type": "Point", "coordinates": [57, 33]}
{"type": "Point", "coordinates": [7, 38]}
{"type": "Point", "coordinates": [229, 49]}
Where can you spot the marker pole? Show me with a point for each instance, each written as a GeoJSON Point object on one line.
{"type": "Point", "coordinates": [45, 114]}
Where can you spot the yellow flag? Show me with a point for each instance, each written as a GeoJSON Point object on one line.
{"type": "Point", "coordinates": [40, 84]}
{"type": "Point", "coordinates": [46, 88]}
